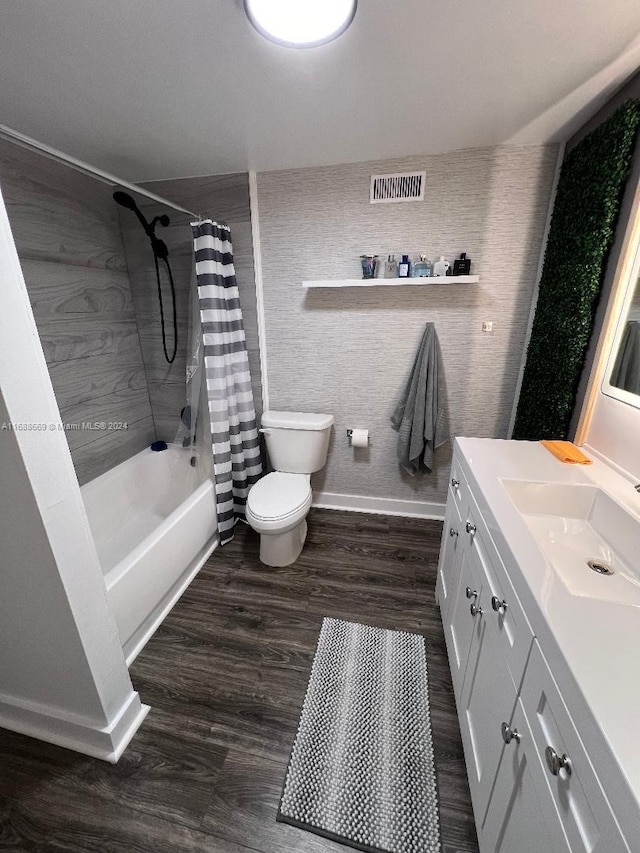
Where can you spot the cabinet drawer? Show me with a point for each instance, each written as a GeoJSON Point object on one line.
{"type": "Point", "coordinates": [500, 604]}
{"type": "Point", "coordinates": [586, 815]}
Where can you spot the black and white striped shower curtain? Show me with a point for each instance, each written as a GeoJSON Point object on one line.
{"type": "Point", "coordinates": [234, 436]}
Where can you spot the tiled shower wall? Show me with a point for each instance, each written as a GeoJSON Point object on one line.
{"type": "Point", "coordinates": [348, 351]}
{"type": "Point", "coordinates": [220, 197]}
{"type": "Point", "coordinates": [68, 238]}
{"type": "Point", "coordinates": [96, 307]}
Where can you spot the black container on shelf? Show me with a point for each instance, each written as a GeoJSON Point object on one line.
{"type": "Point", "coordinates": [462, 265]}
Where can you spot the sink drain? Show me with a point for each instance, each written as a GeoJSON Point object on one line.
{"type": "Point", "coordinates": [600, 567]}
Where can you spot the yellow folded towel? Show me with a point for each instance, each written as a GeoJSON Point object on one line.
{"type": "Point", "coordinates": [566, 451]}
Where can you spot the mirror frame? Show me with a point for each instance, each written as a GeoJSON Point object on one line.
{"type": "Point", "coordinates": [629, 292]}
{"type": "Point", "coordinates": [627, 270]}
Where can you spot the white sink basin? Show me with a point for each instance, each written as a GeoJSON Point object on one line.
{"type": "Point", "coordinates": [589, 541]}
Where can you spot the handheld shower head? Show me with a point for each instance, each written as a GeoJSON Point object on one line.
{"type": "Point", "coordinates": [124, 199]}
{"type": "Point", "coordinates": [127, 201]}
{"type": "Point", "coordinates": [160, 252]}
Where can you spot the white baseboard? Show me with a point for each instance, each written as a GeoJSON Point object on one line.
{"type": "Point", "coordinates": [73, 732]}
{"type": "Point", "coordinates": [144, 633]}
{"type": "Point", "coordinates": [381, 506]}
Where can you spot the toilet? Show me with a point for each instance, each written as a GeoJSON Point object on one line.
{"type": "Point", "coordinates": [277, 505]}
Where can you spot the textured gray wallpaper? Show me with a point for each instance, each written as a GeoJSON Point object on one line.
{"type": "Point", "coordinates": [349, 351]}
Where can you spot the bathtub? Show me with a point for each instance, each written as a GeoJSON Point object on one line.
{"type": "Point", "coordinates": [153, 520]}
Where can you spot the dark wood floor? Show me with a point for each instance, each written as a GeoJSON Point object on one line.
{"type": "Point", "coordinates": [225, 677]}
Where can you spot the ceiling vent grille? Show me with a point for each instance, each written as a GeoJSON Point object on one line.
{"type": "Point", "coordinates": [408, 186]}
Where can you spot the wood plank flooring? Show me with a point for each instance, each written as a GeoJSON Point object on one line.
{"type": "Point", "coordinates": [225, 676]}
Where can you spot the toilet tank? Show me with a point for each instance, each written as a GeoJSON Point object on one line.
{"type": "Point", "coordinates": [297, 442]}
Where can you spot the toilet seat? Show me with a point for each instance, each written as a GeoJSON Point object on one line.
{"type": "Point", "coordinates": [279, 497]}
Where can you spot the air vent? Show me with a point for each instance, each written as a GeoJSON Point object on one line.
{"type": "Point", "coordinates": [400, 187]}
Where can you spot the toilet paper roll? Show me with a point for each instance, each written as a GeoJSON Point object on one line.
{"type": "Point", "coordinates": [360, 438]}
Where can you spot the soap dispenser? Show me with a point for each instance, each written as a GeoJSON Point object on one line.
{"type": "Point", "coordinates": [404, 267]}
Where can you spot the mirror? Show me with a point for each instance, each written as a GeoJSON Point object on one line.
{"type": "Point", "coordinates": [625, 373]}
{"type": "Point", "coordinates": [622, 377]}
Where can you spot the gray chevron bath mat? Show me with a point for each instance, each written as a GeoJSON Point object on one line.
{"type": "Point", "coordinates": [362, 770]}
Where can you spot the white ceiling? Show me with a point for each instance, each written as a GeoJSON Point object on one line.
{"type": "Point", "coordinates": [165, 88]}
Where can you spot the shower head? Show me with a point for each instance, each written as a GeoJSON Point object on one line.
{"type": "Point", "coordinates": [160, 253]}
{"type": "Point", "coordinates": [124, 199]}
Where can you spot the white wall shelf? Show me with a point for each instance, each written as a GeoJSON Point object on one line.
{"type": "Point", "coordinates": [394, 282]}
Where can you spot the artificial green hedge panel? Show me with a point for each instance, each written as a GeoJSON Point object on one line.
{"type": "Point", "coordinates": [582, 226]}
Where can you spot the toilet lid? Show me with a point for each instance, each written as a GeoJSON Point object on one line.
{"type": "Point", "coordinates": [278, 495]}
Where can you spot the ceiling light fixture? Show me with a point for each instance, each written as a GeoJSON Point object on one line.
{"type": "Point", "coordinates": [301, 23]}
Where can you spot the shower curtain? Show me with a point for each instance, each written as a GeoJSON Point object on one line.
{"type": "Point", "coordinates": [236, 446]}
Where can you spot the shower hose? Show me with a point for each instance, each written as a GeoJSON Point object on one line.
{"type": "Point", "coordinates": [170, 359]}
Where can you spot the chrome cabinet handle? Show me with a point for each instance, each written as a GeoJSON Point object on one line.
{"type": "Point", "coordinates": [470, 593]}
{"type": "Point", "coordinates": [475, 610]}
{"type": "Point", "coordinates": [455, 483]}
{"type": "Point", "coordinates": [509, 734]}
{"type": "Point", "coordinates": [556, 762]}
{"type": "Point", "coordinates": [498, 605]}
{"type": "Point", "coordinates": [470, 528]}
{"type": "Point", "coordinates": [453, 532]}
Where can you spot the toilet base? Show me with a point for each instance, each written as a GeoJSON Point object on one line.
{"type": "Point", "coordinates": [282, 549]}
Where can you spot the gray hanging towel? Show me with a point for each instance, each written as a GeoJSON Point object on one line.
{"type": "Point", "coordinates": [420, 416]}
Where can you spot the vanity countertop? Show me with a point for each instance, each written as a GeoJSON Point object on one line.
{"type": "Point", "coordinates": [592, 646]}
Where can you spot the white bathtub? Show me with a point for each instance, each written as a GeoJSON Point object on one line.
{"type": "Point", "coordinates": [154, 525]}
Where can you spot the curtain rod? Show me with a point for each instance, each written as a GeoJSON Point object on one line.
{"type": "Point", "coordinates": [80, 166]}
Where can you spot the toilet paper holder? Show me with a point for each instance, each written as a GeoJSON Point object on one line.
{"type": "Point", "coordinates": [350, 436]}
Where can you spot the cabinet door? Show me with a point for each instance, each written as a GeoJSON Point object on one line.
{"type": "Point", "coordinates": [586, 815]}
{"type": "Point", "coordinates": [459, 489]}
{"type": "Point", "coordinates": [488, 698]}
{"type": "Point", "coordinates": [450, 557]}
{"type": "Point", "coordinates": [461, 619]}
{"type": "Point", "coordinates": [489, 689]}
{"type": "Point", "coordinates": [521, 817]}
{"type": "Point", "coordinates": [502, 604]}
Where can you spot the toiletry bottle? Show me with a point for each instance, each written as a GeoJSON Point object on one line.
{"type": "Point", "coordinates": [462, 265]}
{"type": "Point", "coordinates": [368, 263]}
{"type": "Point", "coordinates": [441, 266]}
{"type": "Point", "coordinates": [390, 267]}
{"type": "Point", "coordinates": [404, 267]}
{"type": "Point", "coordinates": [422, 268]}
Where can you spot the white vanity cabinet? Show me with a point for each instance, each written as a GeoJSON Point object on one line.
{"type": "Point", "coordinates": [451, 554]}
{"type": "Point", "coordinates": [521, 817]}
{"type": "Point", "coordinates": [532, 785]}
